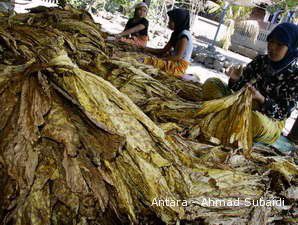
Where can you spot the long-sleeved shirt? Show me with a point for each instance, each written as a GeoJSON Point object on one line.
{"type": "Point", "coordinates": [280, 88]}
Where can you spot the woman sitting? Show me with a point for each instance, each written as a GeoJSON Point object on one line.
{"type": "Point", "coordinates": [273, 80]}
{"type": "Point", "coordinates": [181, 42]}
{"type": "Point", "coordinates": [136, 29]}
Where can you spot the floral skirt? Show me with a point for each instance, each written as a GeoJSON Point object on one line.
{"type": "Point", "coordinates": [140, 41]}
{"type": "Point", "coordinates": [173, 67]}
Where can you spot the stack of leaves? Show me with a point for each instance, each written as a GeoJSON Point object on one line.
{"type": "Point", "coordinates": [75, 147]}
{"type": "Point", "coordinates": [228, 119]}
{"type": "Point", "coordinates": [162, 97]}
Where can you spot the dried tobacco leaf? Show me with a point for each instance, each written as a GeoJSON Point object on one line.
{"type": "Point", "coordinates": [229, 119]}
{"type": "Point", "coordinates": [76, 146]}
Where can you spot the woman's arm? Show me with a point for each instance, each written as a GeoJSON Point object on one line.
{"type": "Point", "coordinates": [181, 46]}
{"type": "Point", "coordinates": [280, 106]}
{"type": "Point", "coordinates": [132, 30]}
{"type": "Point", "coordinates": [159, 51]}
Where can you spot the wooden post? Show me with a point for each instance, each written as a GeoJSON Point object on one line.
{"type": "Point", "coordinates": [222, 17]}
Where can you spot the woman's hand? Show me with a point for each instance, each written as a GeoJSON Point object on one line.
{"type": "Point", "coordinates": [234, 72]}
{"type": "Point", "coordinates": [256, 95]}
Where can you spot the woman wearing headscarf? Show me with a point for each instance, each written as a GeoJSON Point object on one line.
{"type": "Point", "coordinates": [136, 28]}
{"type": "Point", "coordinates": [275, 83]}
{"type": "Point", "coordinates": [180, 42]}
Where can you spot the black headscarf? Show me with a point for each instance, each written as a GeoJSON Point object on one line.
{"type": "Point", "coordinates": [181, 19]}
{"type": "Point", "coordinates": [287, 34]}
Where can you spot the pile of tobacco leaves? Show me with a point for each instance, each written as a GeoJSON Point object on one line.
{"type": "Point", "coordinates": [88, 135]}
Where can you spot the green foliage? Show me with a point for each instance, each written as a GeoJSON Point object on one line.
{"type": "Point", "coordinates": [120, 5]}
{"type": "Point", "coordinates": [79, 3]}
{"type": "Point", "coordinates": [236, 12]}
{"type": "Point", "coordinates": [283, 5]}
{"type": "Point", "coordinates": [213, 8]}
{"type": "Point", "coordinates": [83, 4]}
{"type": "Point", "coordinates": [157, 10]}
{"type": "Point", "coordinates": [233, 14]}
{"type": "Point", "coordinates": [62, 3]}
